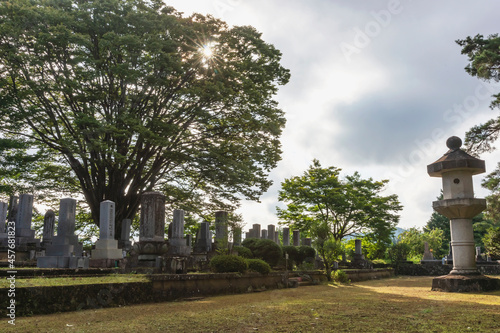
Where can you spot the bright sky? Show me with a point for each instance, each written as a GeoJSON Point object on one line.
{"type": "Point", "coordinates": [376, 87]}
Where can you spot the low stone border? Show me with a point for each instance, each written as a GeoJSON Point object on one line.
{"type": "Point", "coordinates": [161, 288]}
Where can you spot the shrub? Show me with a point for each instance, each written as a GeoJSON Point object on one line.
{"type": "Point", "coordinates": [268, 251]}
{"type": "Point", "coordinates": [341, 276]}
{"type": "Point", "coordinates": [259, 266]}
{"type": "Point", "coordinates": [243, 252]}
{"type": "Point", "coordinates": [304, 252]}
{"type": "Point", "coordinates": [492, 243]}
{"type": "Point", "coordinates": [250, 243]}
{"type": "Point", "coordinates": [227, 264]}
{"type": "Point", "coordinates": [293, 254]}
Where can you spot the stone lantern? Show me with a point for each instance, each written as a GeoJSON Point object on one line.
{"type": "Point", "coordinates": [456, 169]}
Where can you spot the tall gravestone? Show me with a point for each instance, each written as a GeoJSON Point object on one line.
{"type": "Point", "coordinates": [307, 241]}
{"type": "Point", "coordinates": [49, 220]}
{"type": "Point", "coordinates": [286, 236]}
{"type": "Point", "coordinates": [221, 228]}
{"type": "Point", "coordinates": [203, 239]}
{"type": "Point", "coordinates": [177, 243]}
{"type": "Point", "coordinates": [237, 236]}
{"type": "Point", "coordinates": [3, 231]}
{"type": "Point", "coordinates": [264, 234]}
{"type": "Point", "coordinates": [12, 210]}
{"type": "Point", "coordinates": [124, 242]}
{"type": "Point", "coordinates": [256, 231]}
{"type": "Point", "coordinates": [23, 217]}
{"type": "Point", "coordinates": [152, 227]}
{"type": "Point", "coordinates": [270, 231]}
{"type": "Point", "coordinates": [296, 238]}
{"type": "Point", "coordinates": [65, 250]}
{"type": "Point", "coordinates": [107, 246]}
{"type": "Point", "coordinates": [277, 237]}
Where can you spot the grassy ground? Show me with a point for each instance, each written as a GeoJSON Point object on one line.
{"type": "Point", "coordinates": [41, 281]}
{"type": "Point", "coordinates": [402, 304]}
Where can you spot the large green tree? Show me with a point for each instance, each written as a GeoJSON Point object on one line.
{"type": "Point", "coordinates": [324, 205]}
{"type": "Point", "coordinates": [128, 96]}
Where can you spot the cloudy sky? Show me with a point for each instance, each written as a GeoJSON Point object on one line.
{"type": "Point", "coordinates": [376, 87]}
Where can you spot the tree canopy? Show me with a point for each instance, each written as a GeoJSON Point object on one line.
{"type": "Point", "coordinates": [113, 98]}
{"type": "Point", "coordinates": [326, 206]}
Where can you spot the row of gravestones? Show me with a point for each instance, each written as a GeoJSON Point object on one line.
{"type": "Point", "coordinates": [272, 234]}
{"type": "Point", "coordinates": [64, 250]}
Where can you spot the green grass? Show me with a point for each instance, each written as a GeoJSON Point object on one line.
{"type": "Point", "coordinates": [403, 304]}
{"type": "Point", "coordinates": [68, 281]}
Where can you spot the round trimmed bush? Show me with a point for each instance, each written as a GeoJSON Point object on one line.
{"type": "Point", "coordinates": [259, 266]}
{"type": "Point", "coordinates": [293, 254]}
{"type": "Point", "coordinates": [305, 252]}
{"type": "Point", "coordinates": [228, 264]}
{"type": "Point", "coordinates": [267, 250]}
{"type": "Point", "coordinates": [250, 243]}
{"type": "Point", "coordinates": [243, 252]}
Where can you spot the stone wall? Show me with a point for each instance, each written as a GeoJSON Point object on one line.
{"type": "Point", "coordinates": [439, 269]}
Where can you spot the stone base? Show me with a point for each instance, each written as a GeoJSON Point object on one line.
{"type": "Point", "coordinates": [465, 283]}
{"type": "Point", "coordinates": [107, 249]}
{"type": "Point", "coordinates": [431, 262]}
{"type": "Point", "coordinates": [105, 263]}
{"type": "Point", "coordinates": [62, 262]}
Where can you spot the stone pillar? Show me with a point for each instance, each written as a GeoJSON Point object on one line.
{"type": "Point", "coordinates": [124, 242]}
{"type": "Point", "coordinates": [13, 207]}
{"type": "Point", "coordinates": [23, 217]}
{"type": "Point", "coordinates": [221, 227]}
{"type": "Point", "coordinates": [286, 236]}
{"type": "Point", "coordinates": [264, 234]}
{"type": "Point", "coordinates": [427, 253]}
{"type": "Point", "coordinates": [256, 231]}
{"type": "Point", "coordinates": [307, 241]}
{"type": "Point", "coordinates": [203, 239]}
{"type": "Point", "coordinates": [107, 246]}
{"type": "Point", "coordinates": [277, 237]}
{"type": "Point", "coordinates": [3, 218]}
{"type": "Point", "coordinates": [248, 234]}
{"type": "Point", "coordinates": [357, 246]}
{"type": "Point", "coordinates": [177, 243]}
{"type": "Point", "coordinates": [296, 238]}
{"type": "Point", "coordinates": [237, 236]}
{"type": "Point", "coordinates": [48, 227]}
{"type": "Point", "coordinates": [152, 226]}
{"type": "Point", "coordinates": [270, 231]}
{"type": "Point", "coordinates": [65, 250]}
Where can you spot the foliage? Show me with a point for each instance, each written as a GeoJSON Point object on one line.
{"type": "Point", "coordinates": [259, 266]}
{"type": "Point", "coordinates": [264, 249]}
{"type": "Point", "coordinates": [415, 240]}
{"type": "Point", "coordinates": [293, 255]}
{"type": "Point", "coordinates": [323, 205]}
{"type": "Point", "coordinates": [113, 98]}
{"type": "Point", "coordinates": [438, 221]}
{"type": "Point", "coordinates": [305, 252]}
{"type": "Point", "coordinates": [330, 251]}
{"type": "Point", "coordinates": [228, 264]}
{"type": "Point", "coordinates": [398, 252]}
{"type": "Point", "coordinates": [341, 276]}
{"type": "Point", "coordinates": [492, 242]}
{"type": "Point", "coordinates": [243, 252]}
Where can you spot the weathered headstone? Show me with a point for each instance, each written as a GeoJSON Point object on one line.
{"type": "Point", "coordinates": [48, 227]}
{"type": "Point", "coordinates": [277, 237]}
{"type": "Point", "coordinates": [270, 231]}
{"type": "Point", "coordinates": [307, 241]}
{"type": "Point", "coordinates": [296, 238]}
{"type": "Point", "coordinates": [237, 236]}
{"type": "Point", "coordinates": [203, 239]}
{"type": "Point", "coordinates": [221, 227]}
{"type": "Point", "coordinates": [107, 246]}
{"type": "Point", "coordinates": [13, 206]}
{"type": "Point", "coordinates": [479, 257]}
{"type": "Point", "coordinates": [427, 253]}
{"type": "Point", "coordinates": [358, 260]}
{"type": "Point", "coordinates": [124, 242]}
{"type": "Point", "coordinates": [152, 228]}
{"type": "Point", "coordinates": [176, 242]}
{"type": "Point", "coordinates": [23, 217]}
{"type": "Point", "coordinates": [286, 236]}
{"type": "Point", "coordinates": [65, 250]}
{"type": "Point", "coordinates": [264, 234]}
{"type": "Point", "coordinates": [3, 218]}
{"type": "Point", "coordinates": [256, 231]}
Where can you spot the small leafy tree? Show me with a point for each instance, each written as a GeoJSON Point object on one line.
{"type": "Point", "coordinates": [330, 251]}
{"type": "Point", "coordinates": [492, 242]}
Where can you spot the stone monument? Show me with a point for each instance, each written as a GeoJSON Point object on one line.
{"type": "Point", "coordinates": [270, 231]}
{"type": "Point", "coordinates": [177, 245]}
{"type": "Point", "coordinates": [286, 236]}
{"type": "Point", "coordinates": [296, 238]}
{"type": "Point", "coordinates": [221, 229]}
{"type": "Point", "coordinates": [203, 239]}
{"type": "Point", "coordinates": [49, 220]}
{"type": "Point", "coordinates": [124, 242]}
{"type": "Point", "coordinates": [456, 169]}
{"type": "Point", "coordinates": [107, 246]}
{"type": "Point", "coordinates": [65, 250]}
